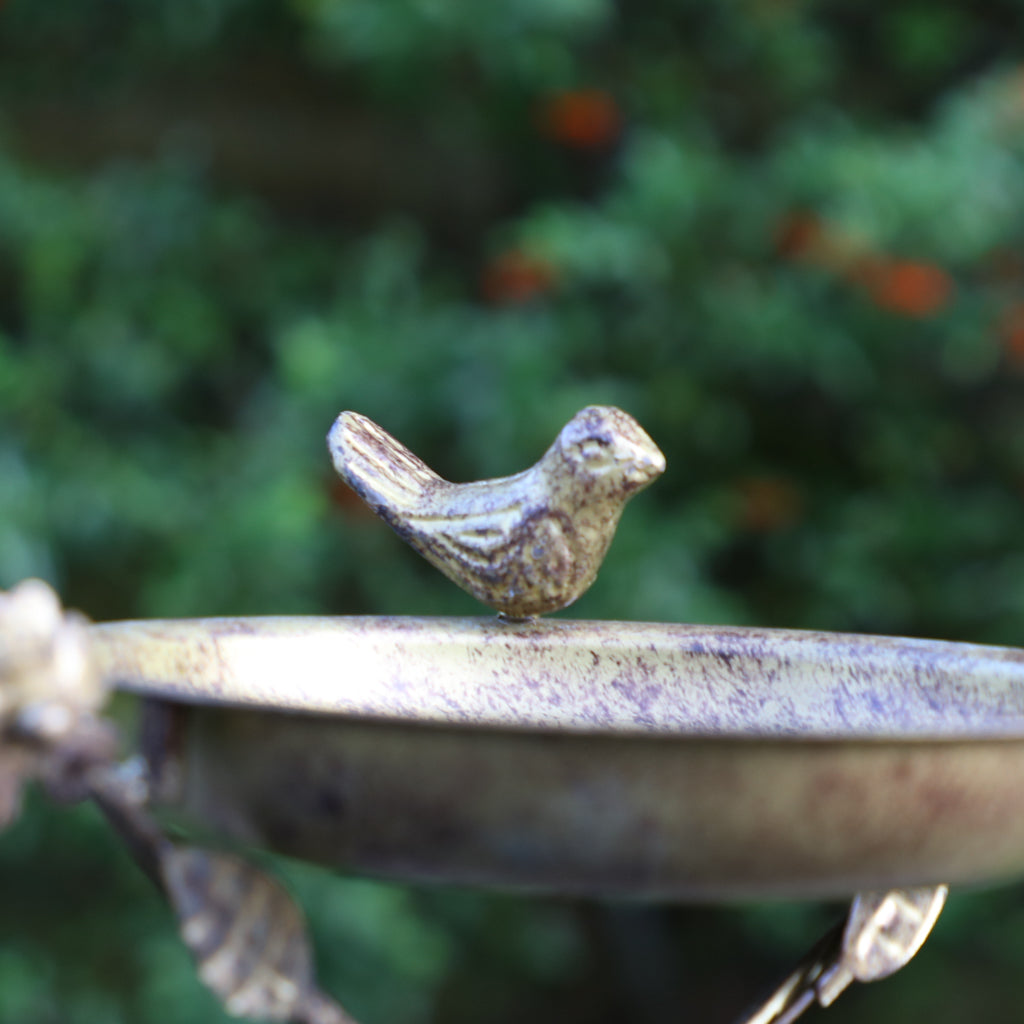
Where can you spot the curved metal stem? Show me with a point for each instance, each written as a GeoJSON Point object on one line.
{"type": "Point", "coordinates": [882, 933]}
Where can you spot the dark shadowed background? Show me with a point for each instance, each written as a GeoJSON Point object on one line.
{"type": "Point", "coordinates": [787, 236]}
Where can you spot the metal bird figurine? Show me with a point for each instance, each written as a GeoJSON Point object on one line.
{"type": "Point", "coordinates": [524, 544]}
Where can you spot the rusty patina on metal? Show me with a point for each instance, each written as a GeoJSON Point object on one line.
{"type": "Point", "coordinates": [661, 761]}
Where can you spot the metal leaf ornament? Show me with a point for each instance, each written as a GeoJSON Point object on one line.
{"type": "Point", "coordinates": [245, 933]}
{"type": "Point", "coordinates": [247, 936]}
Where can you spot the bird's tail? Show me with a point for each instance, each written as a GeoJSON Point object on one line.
{"type": "Point", "coordinates": [380, 469]}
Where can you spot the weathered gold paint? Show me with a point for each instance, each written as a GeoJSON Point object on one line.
{"type": "Point", "coordinates": [564, 675]}
{"type": "Point", "coordinates": [524, 544]}
{"type": "Point", "coordinates": [640, 759]}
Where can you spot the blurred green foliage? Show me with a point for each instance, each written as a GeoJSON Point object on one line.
{"type": "Point", "coordinates": [788, 237]}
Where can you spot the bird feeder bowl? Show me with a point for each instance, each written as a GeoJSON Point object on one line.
{"type": "Point", "coordinates": [667, 762]}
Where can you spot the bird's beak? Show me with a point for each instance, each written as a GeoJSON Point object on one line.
{"type": "Point", "coordinates": [648, 465]}
{"type": "Point", "coordinates": [656, 463]}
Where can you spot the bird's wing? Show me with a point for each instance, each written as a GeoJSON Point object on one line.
{"type": "Point", "coordinates": [497, 555]}
{"type": "Point", "coordinates": [478, 540]}
{"type": "Point", "coordinates": [491, 537]}
{"type": "Point", "coordinates": [380, 469]}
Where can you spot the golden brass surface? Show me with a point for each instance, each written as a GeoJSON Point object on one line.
{"type": "Point", "coordinates": [651, 760]}
{"type": "Point", "coordinates": [524, 544]}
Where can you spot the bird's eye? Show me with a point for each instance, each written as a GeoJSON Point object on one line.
{"type": "Point", "coordinates": [595, 451]}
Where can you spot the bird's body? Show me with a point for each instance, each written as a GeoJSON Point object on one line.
{"type": "Point", "coordinates": [524, 544]}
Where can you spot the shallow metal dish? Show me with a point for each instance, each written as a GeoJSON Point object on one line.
{"type": "Point", "coordinates": [645, 760]}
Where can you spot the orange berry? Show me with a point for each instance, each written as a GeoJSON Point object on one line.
{"type": "Point", "coordinates": [515, 277]}
{"type": "Point", "coordinates": [581, 118]}
{"type": "Point", "coordinates": [799, 235]}
{"type": "Point", "coordinates": [768, 503]}
{"type": "Point", "coordinates": [910, 288]}
{"type": "Point", "coordinates": [1011, 333]}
